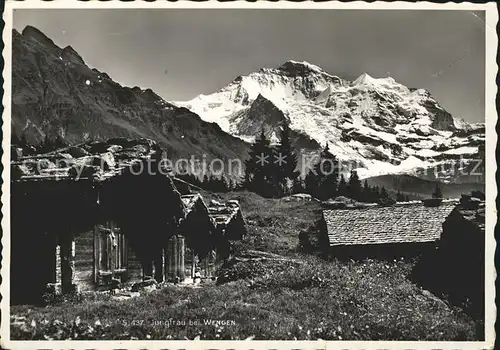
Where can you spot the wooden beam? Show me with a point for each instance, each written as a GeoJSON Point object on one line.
{"type": "Point", "coordinates": [181, 250]}
{"type": "Point", "coordinates": [147, 269]}
{"type": "Point", "coordinates": [193, 263]}
{"type": "Point", "coordinates": [96, 262]}
{"type": "Point", "coordinates": [175, 257]}
{"type": "Point", "coordinates": [67, 262]}
{"type": "Point", "coordinates": [112, 251]}
{"type": "Point", "coordinates": [159, 263]}
{"type": "Point", "coordinates": [168, 260]}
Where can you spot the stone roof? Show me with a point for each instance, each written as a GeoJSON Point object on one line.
{"type": "Point", "coordinates": [411, 222]}
{"type": "Point", "coordinates": [189, 200]}
{"type": "Point", "coordinates": [224, 213]}
{"type": "Point", "coordinates": [97, 160]}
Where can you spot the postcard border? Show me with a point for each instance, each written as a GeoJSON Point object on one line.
{"type": "Point", "coordinates": [491, 117]}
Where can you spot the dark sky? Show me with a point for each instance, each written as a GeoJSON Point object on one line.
{"type": "Point", "coordinates": [181, 53]}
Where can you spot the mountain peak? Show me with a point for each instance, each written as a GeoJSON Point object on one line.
{"type": "Point", "coordinates": [38, 35]}
{"type": "Point", "coordinates": [364, 78]}
{"type": "Point", "coordinates": [296, 67]}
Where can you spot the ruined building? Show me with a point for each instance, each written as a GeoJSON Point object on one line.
{"type": "Point", "coordinates": [85, 215]}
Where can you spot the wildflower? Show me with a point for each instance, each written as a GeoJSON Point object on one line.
{"type": "Point", "coordinates": [78, 321]}
{"type": "Point", "coordinates": [97, 323]}
{"type": "Point", "coordinates": [33, 323]}
{"type": "Point", "coordinates": [148, 336]}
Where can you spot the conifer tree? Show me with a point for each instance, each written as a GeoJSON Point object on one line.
{"type": "Point", "coordinates": [311, 183]}
{"type": "Point", "coordinates": [385, 198]}
{"type": "Point", "coordinates": [400, 197]}
{"type": "Point", "coordinates": [342, 188]}
{"type": "Point", "coordinates": [354, 188]}
{"type": "Point", "coordinates": [383, 193]}
{"type": "Point", "coordinates": [230, 185]}
{"type": "Point", "coordinates": [224, 187]}
{"type": "Point", "coordinates": [285, 157]}
{"type": "Point", "coordinates": [259, 176]}
{"type": "Point", "coordinates": [298, 185]}
{"type": "Point", "coordinates": [366, 194]}
{"type": "Point", "coordinates": [45, 145]}
{"type": "Point", "coordinates": [437, 192]}
{"type": "Point", "coordinates": [327, 172]}
{"type": "Point", "coordinates": [58, 142]}
{"type": "Point", "coordinates": [375, 194]}
{"type": "Point", "coordinates": [205, 181]}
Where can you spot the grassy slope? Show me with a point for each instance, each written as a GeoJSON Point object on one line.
{"type": "Point", "coordinates": [276, 297]}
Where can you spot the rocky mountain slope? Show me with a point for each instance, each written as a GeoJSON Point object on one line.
{"type": "Point", "coordinates": [418, 188]}
{"type": "Point", "coordinates": [55, 93]}
{"type": "Point", "coordinates": [379, 125]}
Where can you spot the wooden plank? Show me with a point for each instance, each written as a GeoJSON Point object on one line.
{"type": "Point", "coordinates": [96, 253]}
{"type": "Point", "coordinates": [193, 263]}
{"type": "Point", "coordinates": [111, 247]}
{"type": "Point", "coordinates": [124, 249]}
{"type": "Point", "coordinates": [176, 257]}
{"type": "Point", "coordinates": [158, 264]}
{"type": "Point", "coordinates": [181, 249]}
{"type": "Point", "coordinates": [67, 262]}
{"type": "Point", "coordinates": [169, 260]}
{"type": "Point", "coordinates": [58, 264]}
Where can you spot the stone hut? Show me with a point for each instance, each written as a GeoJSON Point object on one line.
{"type": "Point", "coordinates": [386, 232]}
{"type": "Point", "coordinates": [228, 219]}
{"type": "Point", "coordinates": [229, 226]}
{"type": "Point", "coordinates": [202, 243]}
{"type": "Point", "coordinates": [86, 215]}
{"type": "Point", "coordinates": [197, 236]}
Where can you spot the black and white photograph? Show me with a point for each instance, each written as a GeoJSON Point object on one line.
{"type": "Point", "coordinates": [192, 174]}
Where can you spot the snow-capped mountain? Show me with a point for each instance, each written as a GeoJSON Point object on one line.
{"type": "Point", "coordinates": [380, 124]}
